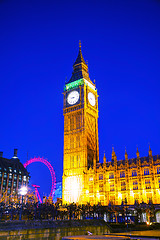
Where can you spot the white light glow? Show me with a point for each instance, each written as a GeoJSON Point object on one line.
{"type": "Point", "coordinates": [74, 187]}
{"type": "Point", "coordinates": [23, 190]}
{"type": "Point", "coordinates": [120, 195]}
{"type": "Point", "coordinates": [131, 193]}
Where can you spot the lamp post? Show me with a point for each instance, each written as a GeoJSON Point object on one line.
{"type": "Point", "coordinates": [23, 191]}
{"type": "Point", "coordinates": [126, 211]}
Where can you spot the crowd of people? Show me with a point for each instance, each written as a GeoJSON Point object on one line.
{"type": "Point", "coordinates": [55, 211]}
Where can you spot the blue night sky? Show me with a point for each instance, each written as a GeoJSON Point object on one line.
{"type": "Point", "coordinates": [39, 44]}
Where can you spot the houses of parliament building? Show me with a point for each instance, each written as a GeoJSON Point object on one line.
{"type": "Point", "coordinates": [85, 179]}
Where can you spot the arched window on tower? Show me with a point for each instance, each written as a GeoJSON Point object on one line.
{"type": "Point", "coordinates": [77, 141]}
{"type": "Point", "coordinates": [71, 142]}
{"type": "Point", "coordinates": [71, 123]}
{"type": "Point", "coordinates": [72, 161]}
{"type": "Point", "coordinates": [78, 121]}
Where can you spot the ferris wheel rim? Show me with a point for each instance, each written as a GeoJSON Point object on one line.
{"type": "Point", "coordinates": [50, 167]}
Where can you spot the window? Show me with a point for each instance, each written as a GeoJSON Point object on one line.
{"type": "Point", "coordinates": [15, 170]}
{"type": "Point", "coordinates": [123, 186]}
{"type": "Point", "coordinates": [134, 173]}
{"type": "Point", "coordinates": [24, 178]}
{"type": "Point", "coordinates": [72, 123]}
{"type": "Point", "coordinates": [146, 171]}
{"type": "Point", "coordinates": [91, 189]}
{"type": "Point", "coordinates": [100, 187]}
{"type": "Point", "coordinates": [9, 183]}
{"type": "Point", "coordinates": [100, 176]}
{"type": "Point", "coordinates": [135, 185]}
{"type": "Point", "coordinates": [78, 161]}
{"type": "Point", "coordinates": [158, 170]}
{"type": "Point", "coordinates": [112, 187]}
{"type": "Point", "coordinates": [122, 174]}
{"type": "Point", "coordinates": [111, 175]}
{"type": "Point", "coordinates": [10, 169]}
{"type": "Point", "coordinates": [148, 184]}
{"type": "Point", "coordinates": [72, 161]}
{"type": "Point", "coordinates": [4, 182]}
{"type": "Point", "coordinates": [5, 175]}
{"type": "Point", "coordinates": [78, 121]}
{"type": "Point", "coordinates": [91, 178]}
{"type": "Point", "coordinates": [71, 142]}
{"type": "Point", "coordinates": [77, 141]}
{"type": "Point", "coordinates": [159, 182]}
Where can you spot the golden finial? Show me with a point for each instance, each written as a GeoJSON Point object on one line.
{"type": "Point", "coordinates": [150, 151]}
{"type": "Point", "coordinates": [137, 148]}
{"type": "Point", "coordinates": [79, 43]}
{"type": "Point", "coordinates": [137, 153]}
{"type": "Point", "coordinates": [125, 150]}
{"type": "Point", "coordinates": [126, 155]}
{"type": "Point", "coordinates": [104, 158]}
{"type": "Point", "coordinates": [113, 152]}
{"type": "Point", "coordinates": [112, 148]}
{"type": "Point", "coordinates": [104, 153]}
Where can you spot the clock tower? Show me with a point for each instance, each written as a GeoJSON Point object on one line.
{"type": "Point", "coordinates": [81, 146]}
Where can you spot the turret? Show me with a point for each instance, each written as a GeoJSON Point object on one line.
{"type": "Point", "coordinates": [126, 155]}
{"type": "Point", "coordinates": [150, 151]}
{"type": "Point", "coordinates": [114, 157]}
{"type": "Point", "coordinates": [138, 158]}
{"type": "Point", "coordinates": [104, 160]}
{"type": "Point", "coordinates": [150, 155]}
{"type": "Point", "coordinates": [137, 153]}
{"type": "Point", "coordinates": [126, 158]}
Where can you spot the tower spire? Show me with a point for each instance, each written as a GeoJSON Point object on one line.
{"type": "Point", "coordinates": [150, 151]}
{"type": "Point", "coordinates": [126, 155]}
{"type": "Point", "coordinates": [104, 158]}
{"type": "Point", "coordinates": [113, 153]}
{"type": "Point", "coordinates": [137, 153]}
{"type": "Point", "coordinates": [80, 68]}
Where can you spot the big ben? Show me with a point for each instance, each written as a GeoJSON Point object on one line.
{"type": "Point", "coordinates": [81, 146]}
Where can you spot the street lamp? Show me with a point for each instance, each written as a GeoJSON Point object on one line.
{"type": "Point", "coordinates": [126, 211]}
{"type": "Point", "coordinates": [23, 191]}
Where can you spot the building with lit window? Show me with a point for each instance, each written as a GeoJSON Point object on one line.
{"type": "Point", "coordinates": [84, 178]}
{"type": "Point", "coordinates": [13, 175]}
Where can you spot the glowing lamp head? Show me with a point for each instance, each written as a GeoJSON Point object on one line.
{"type": "Point", "coordinates": [23, 190]}
{"type": "Point", "coordinates": [120, 195]}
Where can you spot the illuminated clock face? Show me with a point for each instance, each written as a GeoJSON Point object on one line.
{"type": "Point", "coordinates": [91, 98]}
{"type": "Point", "coordinates": [73, 97]}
